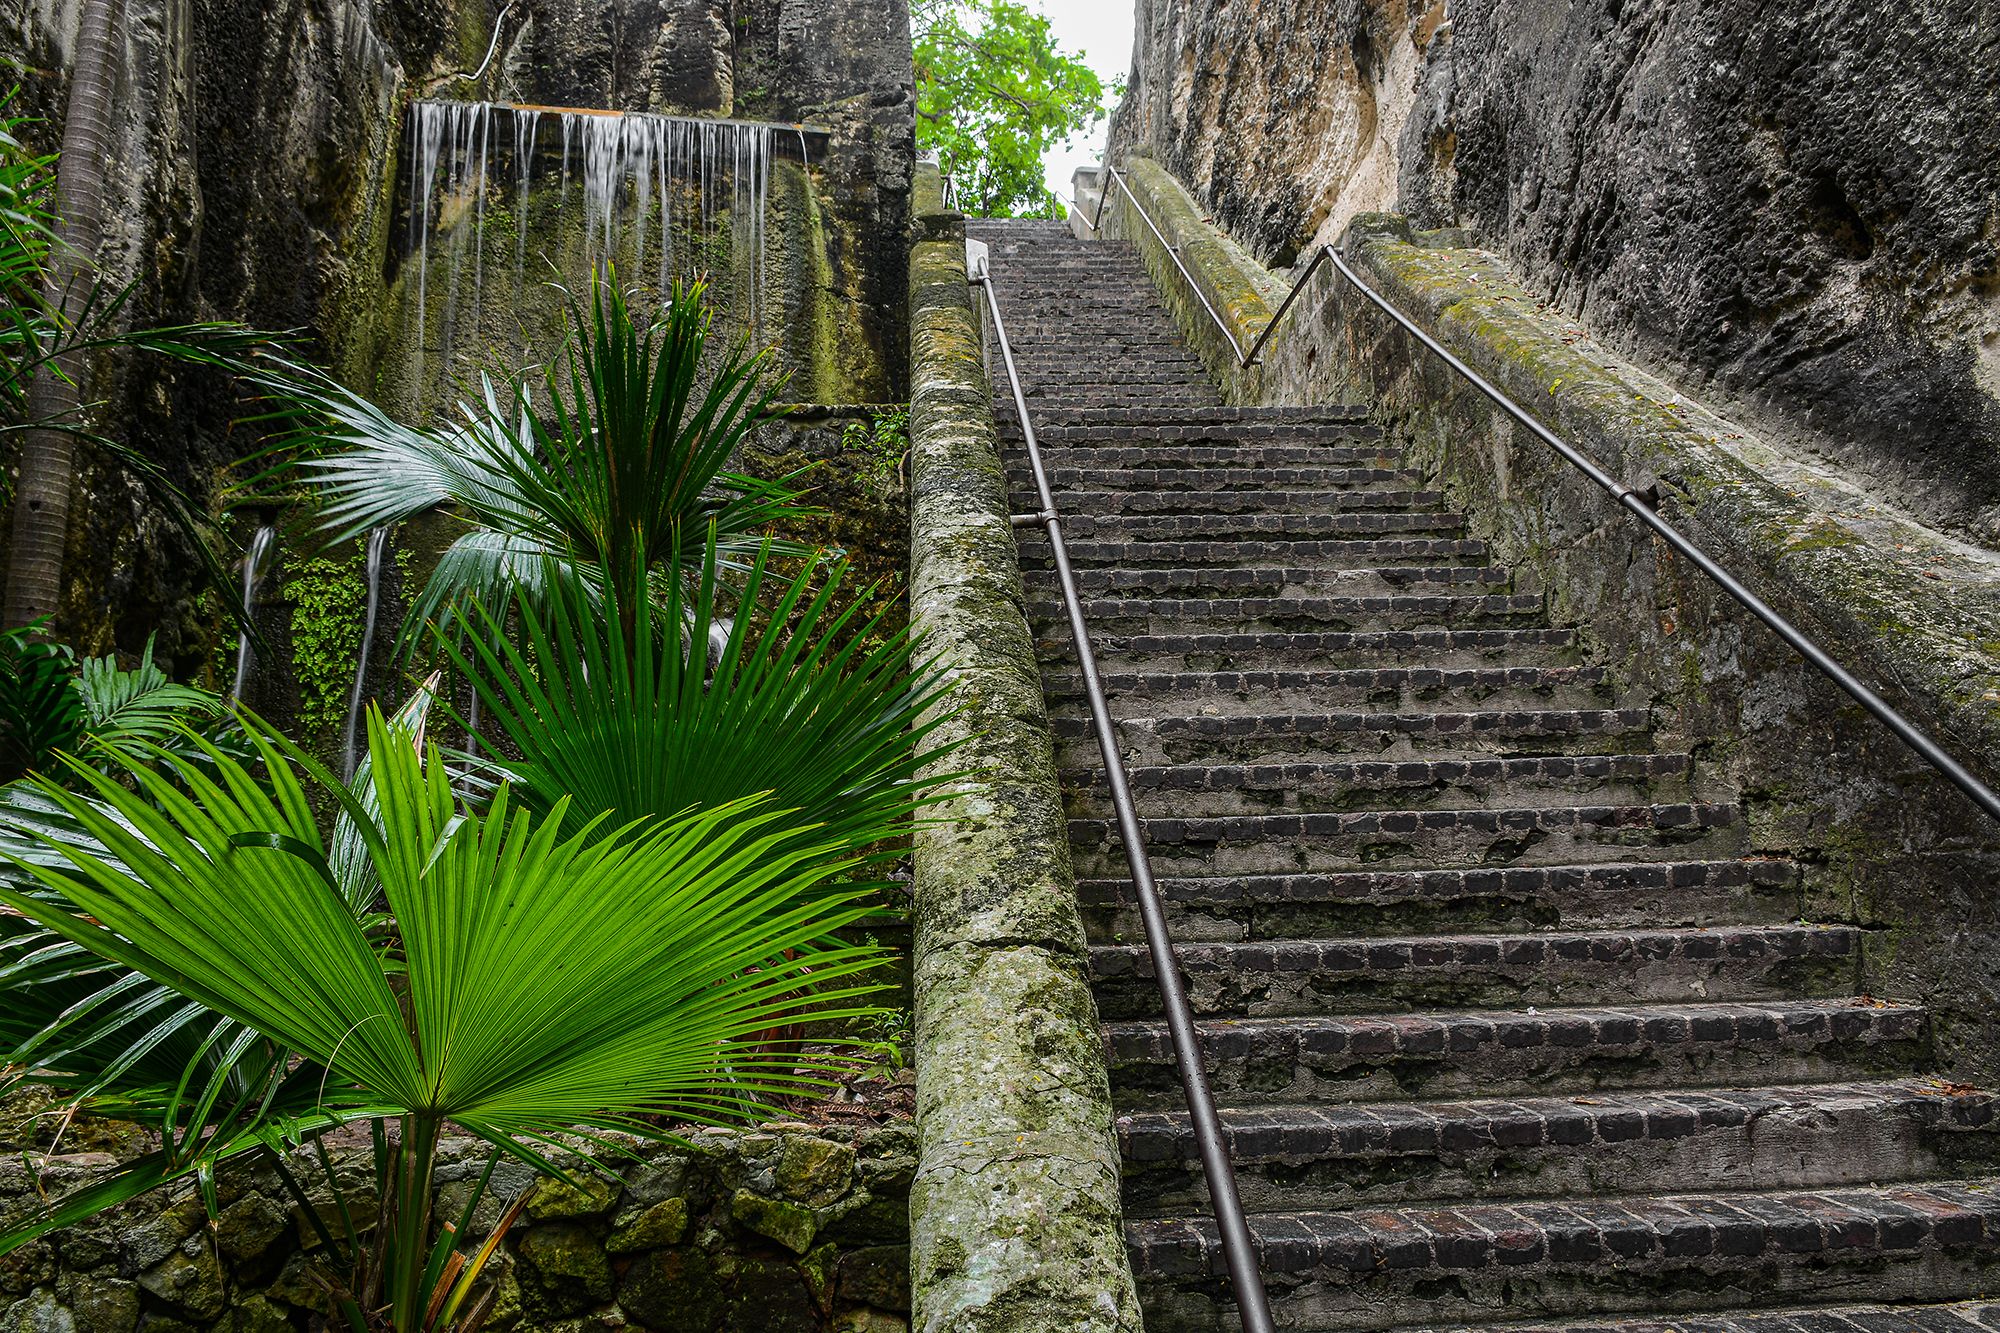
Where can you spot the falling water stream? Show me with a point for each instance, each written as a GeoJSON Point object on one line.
{"type": "Point", "coordinates": [253, 577]}
{"type": "Point", "coordinates": [378, 541]}
{"type": "Point", "coordinates": [657, 192]}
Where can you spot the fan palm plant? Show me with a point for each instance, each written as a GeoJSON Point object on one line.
{"type": "Point", "coordinates": [614, 465]}
{"type": "Point", "coordinates": [512, 976]}
{"type": "Point", "coordinates": [620, 708]}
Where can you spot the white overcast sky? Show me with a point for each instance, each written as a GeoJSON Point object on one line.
{"type": "Point", "coordinates": [1102, 30]}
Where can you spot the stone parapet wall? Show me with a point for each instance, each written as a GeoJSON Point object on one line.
{"type": "Point", "coordinates": [1912, 611]}
{"type": "Point", "coordinates": [1014, 1214]}
{"type": "Point", "coordinates": [782, 1229]}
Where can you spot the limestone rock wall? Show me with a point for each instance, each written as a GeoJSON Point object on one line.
{"type": "Point", "coordinates": [258, 155]}
{"type": "Point", "coordinates": [1793, 210]}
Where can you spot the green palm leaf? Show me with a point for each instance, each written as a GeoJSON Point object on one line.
{"type": "Point", "coordinates": [802, 700]}
{"type": "Point", "coordinates": [616, 461]}
{"type": "Point", "coordinates": [553, 979]}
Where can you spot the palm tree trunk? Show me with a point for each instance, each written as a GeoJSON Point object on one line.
{"type": "Point", "coordinates": [48, 457]}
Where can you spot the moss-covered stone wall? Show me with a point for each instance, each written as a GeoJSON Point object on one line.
{"type": "Point", "coordinates": [1914, 612]}
{"type": "Point", "coordinates": [789, 1228]}
{"type": "Point", "coordinates": [1014, 1212]}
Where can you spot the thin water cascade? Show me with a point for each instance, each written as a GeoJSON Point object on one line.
{"type": "Point", "coordinates": [378, 541]}
{"type": "Point", "coordinates": [253, 577]}
{"type": "Point", "coordinates": [660, 194]}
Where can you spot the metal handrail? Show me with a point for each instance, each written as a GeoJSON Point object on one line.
{"type": "Point", "coordinates": [1641, 504]}
{"type": "Point", "coordinates": [1239, 1251]}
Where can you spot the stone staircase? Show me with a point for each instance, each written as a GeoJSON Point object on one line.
{"type": "Point", "coordinates": [1505, 1024]}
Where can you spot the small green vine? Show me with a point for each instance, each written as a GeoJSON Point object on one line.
{"type": "Point", "coordinates": [328, 599]}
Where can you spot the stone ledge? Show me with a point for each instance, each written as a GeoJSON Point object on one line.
{"type": "Point", "coordinates": [1014, 1214]}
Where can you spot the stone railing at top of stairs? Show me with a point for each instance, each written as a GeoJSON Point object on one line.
{"type": "Point", "coordinates": [1015, 1213]}
{"type": "Point", "coordinates": [1914, 612]}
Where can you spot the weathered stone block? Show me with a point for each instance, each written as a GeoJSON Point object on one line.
{"type": "Point", "coordinates": [790, 1224]}
{"type": "Point", "coordinates": [557, 1200]}
{"type": "Point", "coordinates": [563, 1269]}
{"type": "Point", "coordinates": [877, 1276]}
{"type": "Point", "coordinates": [665, 1223]}
{"type": "Point", "coordinates": [674, 1291]}
{"type": "Point", "coordinates": [193, 1283]}
{"type": "Point", "coordinates": [815, 1171]}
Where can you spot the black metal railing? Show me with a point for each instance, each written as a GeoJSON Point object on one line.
{"type": "Point", "coordinates": [1640, 504]}
{"type": "Point", "coordinates": [1239, 1251]}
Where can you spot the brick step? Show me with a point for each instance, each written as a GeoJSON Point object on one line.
{"type": "Point", "coordinates": [1224, 845]}
{"type": "Point", "coordinates": [1059, 403]}
{"type": "Point", "coordinates": [1302, 615]}
{"type": "Point", "coordinates": [1390, 902]}
{"type": "Point", "coordinates": [1079, 525]}
{"type": "Point", "coordinates": [1279, 978]}
{"type": "Point", "coordinates": [1097, 583]}
{"type": "Point", "coordinates": [1145, 346]}
{"type": "Point", "coordinates": [1959, 1317]}
{"type": "Point", "coordinates": [1383, 689]}
{"type": "Point", "coordinates": [1499, 1053]}
{"type": "Point", "coordinates": [1817, 1136]}
{"type": "Point", "coordinates": [1298, 553]}
{"type": "Point", "coordinates": [1086, 433]}
{"type": "Point", "coordinates": [1103, 504]}
{"type": "Point", "coordinates": [1220, 651]}
{"type": "Point", "coordinates": [1317, 785]}
{"type": "Point", "coordinates": [1197, 458]}
{"type": "Point", "coordinates": [1088, 480]}
{"type": "Point", "coordinates": [1649, 1255]}
{"type": "Point", "coordinates": [1243, 418]}
{"type": "Point", "coordinates": [1310, 736]}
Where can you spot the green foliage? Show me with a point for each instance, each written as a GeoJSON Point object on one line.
{"type": "Point", "coordinates": [40, 709]}
{"type": "Point", "coordinates": [51, 703]}
{"type": "Point", "coordinates": [616, 465]}
{"type": "Point", "coordinates": [882, 442]}
{"type": "Point", "coordinates": [328, 600]}
{"type": "Point", "coordinates": [686, 710]}
{"type": "Point", "coordinates": [520, 980]}
{"type": "Point", "coordinates": [995, 92]}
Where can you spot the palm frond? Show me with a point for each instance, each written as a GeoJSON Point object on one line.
{"type": "Point", "coordinates": [635, 722]}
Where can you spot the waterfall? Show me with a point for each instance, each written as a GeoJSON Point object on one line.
{"type": "Point", "coordinates": [656, 193]}
{"type": "Point", "coordinates": [253, 576]}
{"type": "Point", "coordinates": [378, 541]}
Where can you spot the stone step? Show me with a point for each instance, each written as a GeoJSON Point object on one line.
{"type": "Point", "coordinates": [1198, 650]}
{"type": "Point", "coordinates": [1350, 522]}
{"type": "Point", "coordinates": [1238, 418]}
{"type": "Point", "coordinates": [1302, 615]}
{"type": "Point", "coordinates": [1298, 553]}
{"type": "Point", "coordinates": [1377, 901]}
{"type": "Point", "coordinates": [1496, 1053]}
{"type": "Point", "coordinates": [1252, 503]}
{"type": "Point", "coordinates": [1225, 845]}
{"type": "Point", "coordinates": [1110, 480]}
{"type": "Point", "coordinates": [1383, 689]}
{"type": "Point", "coordinates": [1280, 978]}
{"type": "Point", "coordinates": [1099, 582]}
{"type": "Point", "coordinates": [1816, 1136]}
{"type": "Point", "coordinates": [1958, 1317]}
{"type": "Point", "coordinates": [1197, 458]}
{"type": "Point", "coordinates": [1182, 431]}
{"type": "Point", "coordinates": [1060, 403]}
{"type": "Point", "coordinates": [1317, 785]}
{"type": "Point", "coordinates": [1308, 736]}
{"type": "Point", "coordinates": [1377, 1269]}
